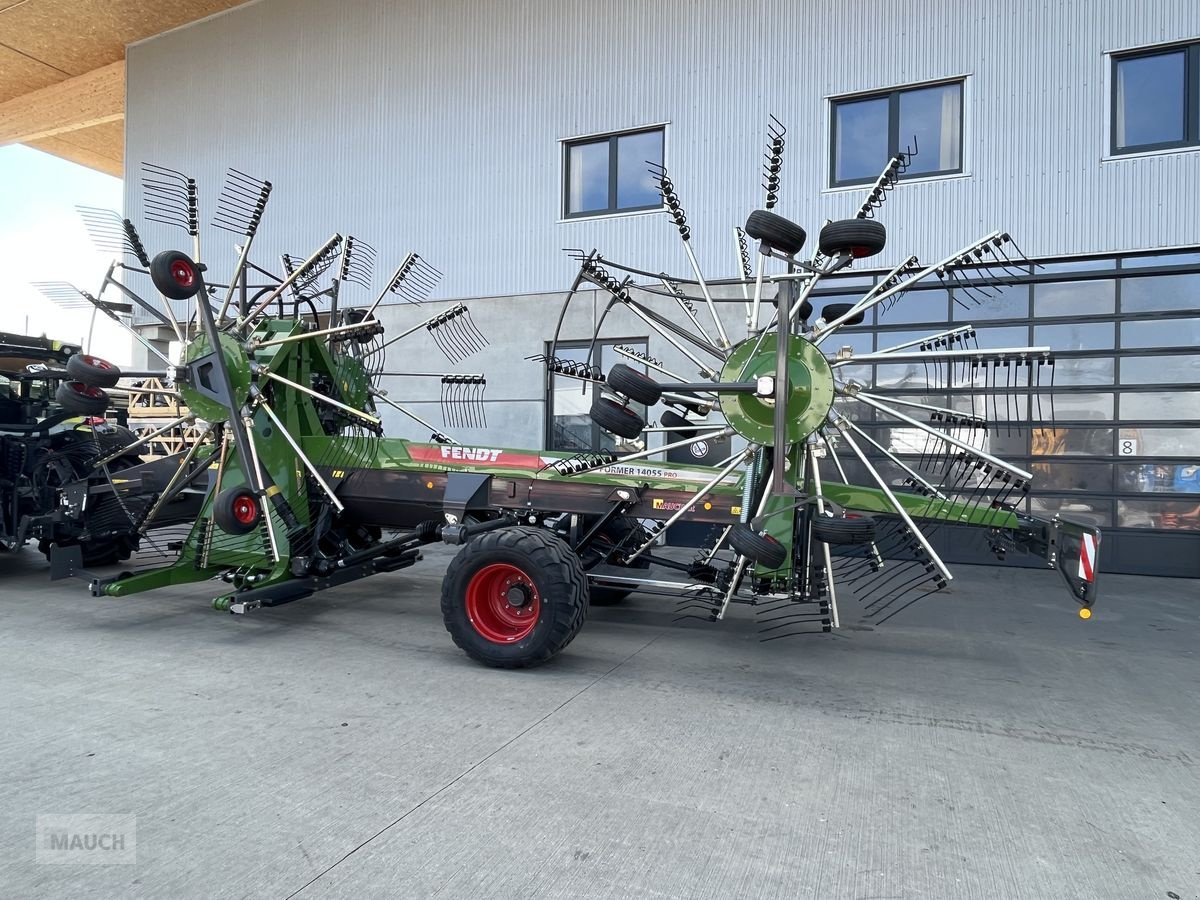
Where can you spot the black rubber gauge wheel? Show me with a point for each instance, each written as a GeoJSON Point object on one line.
{"type": "Point", "coordinates": [93, 370]}
{"type": "Point", "coordinates": [837, 310]}
{"type": "Point", "coordinates": [620, 420]}
{"type": "Point", "coordinates": [633, 384]}
{"type": "Point", "coordinates": [776, 232]}
{"type": "Point", "coordinates": [237, 510]}
{"type": "Point", "coordinates": [858, 237]}
{"type": "Point", "coordinates": [761, 548]}
{"type": "Point", "coordinates": [175, 275]}
{"type": "Point", "coordinates": [81, 399]}
{"type": "Point", "coordinates": [848, 530]}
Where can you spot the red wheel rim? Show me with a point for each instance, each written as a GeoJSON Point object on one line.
{"type": "Point", "coordinates": [503, 603]}
{"type": "Point", "coordinates": [182, 273]}
{"type": "Point", "coordinates": [245, 509]}
{"type": "Point", "coordinates": [96, 361]}
{"type": "Point", "coordinates": [84, 390]}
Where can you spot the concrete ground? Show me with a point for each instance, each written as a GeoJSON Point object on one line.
{"type": "Point", "coordinates": [985, 744]}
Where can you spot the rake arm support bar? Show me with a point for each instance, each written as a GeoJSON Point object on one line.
{"type": "Point", "coordinates": [366, 417]}
{"type": "Point", "coordinates": [837, 422]}
{"type": "Point", "coordinates": [301, 455]}
{"type": "Point", "coordinates": [299, 272]}
{"type": "Point", "coordinates": [948, 438]}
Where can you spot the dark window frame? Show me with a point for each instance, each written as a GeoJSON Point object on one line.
{"type": "Point", "coordinates": [611, 139]}
{"type": "Point", "coordinates": [1191, 98]}
{"type": "Point", "coordinates": [893, 98]}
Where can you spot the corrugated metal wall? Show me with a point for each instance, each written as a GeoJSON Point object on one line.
{"type": "Point", "coordinates": [435, 126]}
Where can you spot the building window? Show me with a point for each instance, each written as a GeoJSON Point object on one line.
{"type": "Point", "coordinates": [867, 131]}
{"type": "Point", "coordinates": [610, 173]}
{"type": "Point", "coordinates": [570, 426]}
{"type": "Point", "coordinates": [1156, 100]}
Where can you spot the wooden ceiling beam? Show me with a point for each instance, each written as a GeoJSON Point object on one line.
{"type": "Point", "coordinates": [94, 98]}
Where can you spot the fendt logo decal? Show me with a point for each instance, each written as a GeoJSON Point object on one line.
{"type": "Point", "coordinates": [476, 454]}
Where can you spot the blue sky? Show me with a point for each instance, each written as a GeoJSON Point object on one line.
{"type": "Point", "coordinates": [42, 239]}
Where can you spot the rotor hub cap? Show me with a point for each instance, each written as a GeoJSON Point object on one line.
{"type": "Point", "coordinates": [808, 394]}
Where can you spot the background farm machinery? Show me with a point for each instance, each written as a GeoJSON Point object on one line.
{"type": "Point", "coordinates": [303, 492]}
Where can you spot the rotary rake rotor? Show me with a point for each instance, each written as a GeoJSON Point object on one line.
{"type": "Point", "coordinates": [826, 510]}
{"type": "Point", "coordinates": [277, 389]}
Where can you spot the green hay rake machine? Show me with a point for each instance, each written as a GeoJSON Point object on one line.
{"type": "Point", "coordinates": [304, 492]}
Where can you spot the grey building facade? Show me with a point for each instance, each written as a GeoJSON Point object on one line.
{"type": "Point", "coordinates": [487, 137]}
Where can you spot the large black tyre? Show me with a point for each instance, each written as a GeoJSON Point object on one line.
{"type": "Point", "coordinates": [635, 385]}
{"type": "Point", "coordinates": [236, 510]}
{"type": "Point", "coordinates": [175, 275]}
{"type": "Point", "coordinates": [628, 534]}
{"type": "Point", "coordinates": [760, 548]}
{"type": "Point", "coordinates": [837, 310]}
{"type": "Point", "coordinates": [838, 530]}
{"type": "Point", "coordinates": [80, 399]}
{"type": "Point", "coordinates": [515, 597]}
{"type": "Point", "coordinates": [620, 420]}
{"type": "Point", "coordinates": [92, 370]}
{"type": "Point", "coordinates": [776, 232]}
{"type": "Point", "coordinates": [858, 237]}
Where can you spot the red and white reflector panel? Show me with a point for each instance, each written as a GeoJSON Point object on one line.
{"type": "Point", "coordinates": [1087, 557]}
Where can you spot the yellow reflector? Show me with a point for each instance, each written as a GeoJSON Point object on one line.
{"type": "Point", "coordinates": [1085, 613]}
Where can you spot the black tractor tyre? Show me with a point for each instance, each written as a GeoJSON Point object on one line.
{"type": "Point", "coordinates": [620, 420]}
{"type": "Point", "coordinates": [175, 275]}
{"type": "Point", "coordinates": [848, 530]}
{"type": "Point", "coordinates": [635, 385]}
{"type": "Point", "coordinates": [629, 535]}
{"type": "Point", "coordinates": [837, 310]}
{"type": "Point", "coordinates": [515, 597]}
{"type": "Point", "coordinates": [237, 510]}
{"type": "Point", "coordinates": [776, 232]}
{"type": "Point", "coordinates": [93, 371]}
{"type": "Point", "coordinates": [858, 237]}
{"type": "Point", "coordinates": [760, 548]}
{"type": "Point", "coordinates": [80, 399]}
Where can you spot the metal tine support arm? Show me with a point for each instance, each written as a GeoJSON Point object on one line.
{"type": "Point", "coordinates": [849, 423]}
{"type": "Point", "coordinates": [323, 332]}
{"type": "Point", "coordinates": [875, 298]}
{"type": "Point", "coordinates": [366, 417]}
{"type": "Point", "coordinates": [968, 420]}
{"type": "Point", "coordinates": [704, 491]}
{"type": "Point", "coordinates": [965, 330]}
{"type": "Point", "coordinates": [177, 475]}
{"type": "Point", "coordinates": [167, 317]}
{"type": "Point", "coordinates": [299, 272]}
{"type": "Point", "coordinates": [837, 420]}
{"type": "Point", "coordinates": [423, 325]}
{"type": "Point", "coordinates": [145, 439]}
{"type": "Point", "coordinates": [671, 201]}
{"type": "Point", "coordinates": [300, 454]}
{"type": "Point", "coordinates": [259, 483]}
{"type": "Point", "coordinates": [686, 305]}
{"type": "Point", "coordinates": [65, 295]}
{"type": "Point", "coordinates": [947, 438]}
{"type": "Point", "coordinates": [810, 448]}
{"type": "Point", "coordinates": [651, 451]}
{"type": "Point", "coordinates": [382, 395]}
{"type": "Point", "coordinates": [981, 356]}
